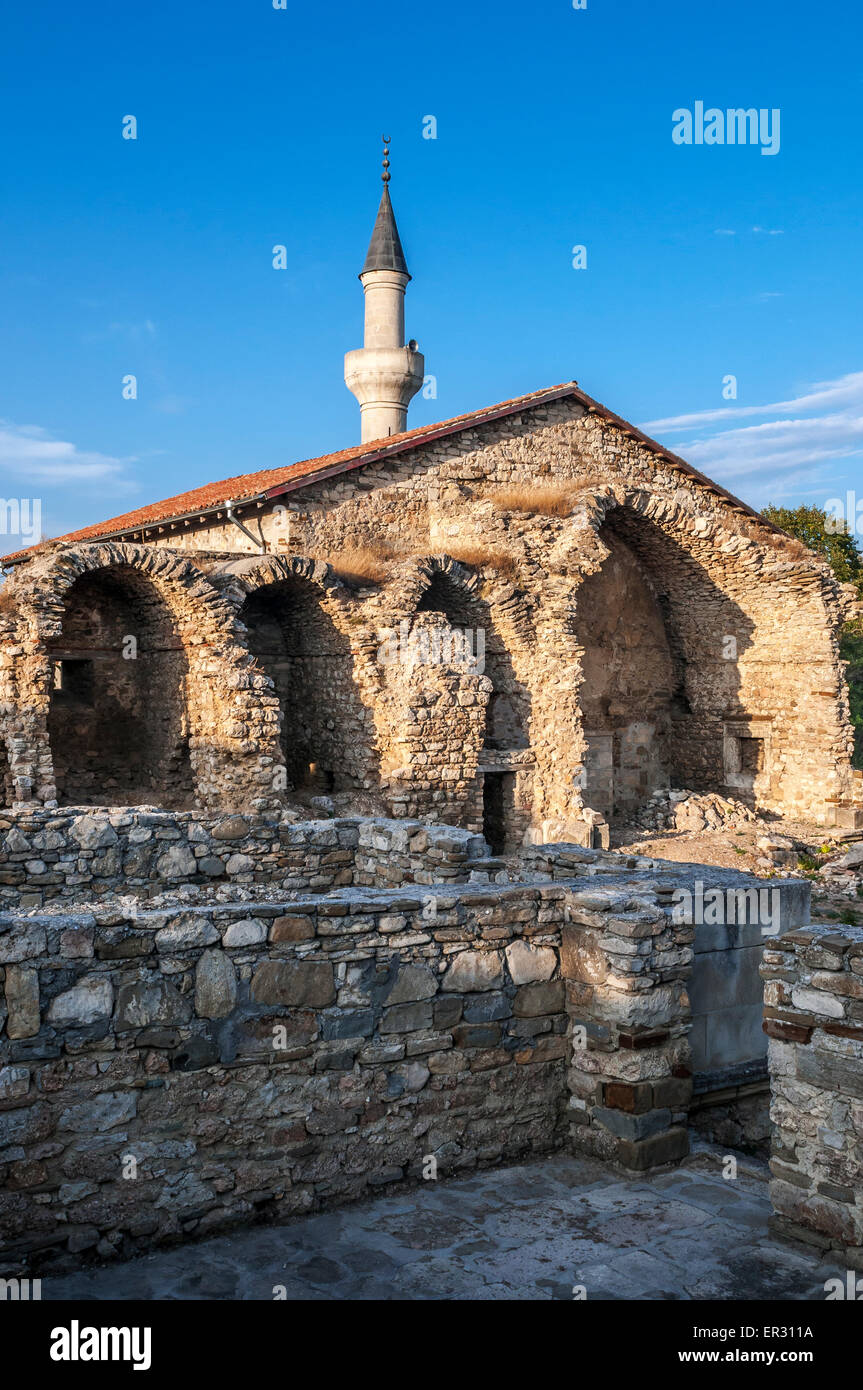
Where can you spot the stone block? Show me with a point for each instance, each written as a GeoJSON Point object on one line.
{"type": "Point", "coordinates": [142, 1003]}
{"type": "Point", "coordinates": [407, 1018]}
{"type": "Point", "coordinates": [296, 928]}
{"type": "Point", "coordinates": [247, 932]}
{"type": "Point", "coordinates": [412, 983]}
{"type": "Point", "coordinates": [633, 1097]}
{"type": "Point", "coordinates": [534, 1000]}
{"type": "Point", "coordinates": [89, 1001]}
{"type": "Point", "coordinates": [22, 1002]}
{"type": "Point", "coordinates": [307, 983]}
{"type": "Point", "coordinates": [474, 972]}
{"type": "Point", "coordinates": [529, 964]}
{"type": "Point", "coordinates": [641, 1154]}
{"type": "Point", "coordinates": [633, 1127]}
{"type": "Point", "coordinates": [215, 985]}
{"type": "Point", "coordinates": [476, 1034]}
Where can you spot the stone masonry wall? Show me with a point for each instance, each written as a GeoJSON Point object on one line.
{"type": "Point", "coordinates": [716, 571]}
{"type": "Point", "coordinates": [176, 1072]}
{"type": "Point", "coordinates": [226, 720]}
{"type": "Point", "coordinates": [171, 1067]}
{"type": "Point", "coordinates": [627, 958]}
{"type": "Point", "coordinates": [744, 688]}
{"type": "Point", "coordinates": [813, 1017]}
{"type": "Point", "coordinates": [626, 964]}
{"type": "Point", "coordinates": [76, 854]}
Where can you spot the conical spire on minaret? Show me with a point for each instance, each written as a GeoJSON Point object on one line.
{"type": "Point", "coordinates": [384, 374]}
{"type": "Point", "coordinates": [385, 248]}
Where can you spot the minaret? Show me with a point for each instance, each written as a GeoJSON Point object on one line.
{"type": "Point", "coordinates": [384, 374]}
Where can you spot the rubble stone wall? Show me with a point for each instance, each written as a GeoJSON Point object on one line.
{"type": "Point", "coordinates": [722, 673]}
{"type": "Point", "coordinates": [168, 1068]}
{"type": "Point", "coordinates": [76, 854]}
{"type": "Point", "coordinates": [627, 958]}
{"type": "Point", "coordinates": [118, 722]}
{"type": "Point", "coordinates": [813, 1016]}
{"type": "Point", "coordinates": [176, 1072]}
{"type": "Point", "coordinates": [219, 695]}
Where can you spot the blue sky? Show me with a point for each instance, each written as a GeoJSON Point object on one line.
{"type": "Point", "coordinates": [259, 127]}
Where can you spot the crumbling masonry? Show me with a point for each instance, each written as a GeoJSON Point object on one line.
{"type": "Point", "coordinates": [469, 645]}
{"type": "Point", "coordinates": [654, 632]}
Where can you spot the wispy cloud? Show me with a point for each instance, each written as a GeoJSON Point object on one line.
{"type": "Point", "coordinates": [144, 332]}
{"type": "Point", "coordinates": [28, 452]}
{"type": "Point", "coordinates": [172, 404]}
{"type": "Point", "coordinates": [797, 443]}
{"type": "Point", "coordinates": [758, 231]}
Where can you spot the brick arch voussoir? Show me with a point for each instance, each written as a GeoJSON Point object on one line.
{"type": "Point", "coordinates": [701, 535]}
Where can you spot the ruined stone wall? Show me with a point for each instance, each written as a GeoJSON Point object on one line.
{"type": "Point", "coordinates": [630, 678]}
{"type": "Point", "coordinates": [79, 856]}
{"type": "Point", "coordinates": [197, 685]}
{"type": "Point", "coordinates": [736, 664]}
{"type": "Point", "coordinates": [118, 725]}
{"type": "Point", "coordinates": [169, 1068]}
{"type": "Point", "coordinates": [627, 958]}
{"type": "Point", "coordinates": [813, 1016]}
{"type": "Point", "coordinates": [177, 1072]}
{"type": "Point", "coordinates": [626, 963]}
{"type": "Point", "coordinates": [294, 640]}
{"type": "Point", "coordinates": [751, 622]}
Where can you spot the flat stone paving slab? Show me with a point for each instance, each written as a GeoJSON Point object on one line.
{"type": "Point", "coordinates": [533, 1231]}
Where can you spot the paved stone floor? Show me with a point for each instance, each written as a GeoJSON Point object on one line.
{"type": "Point", "coordinates": [529, 1232]}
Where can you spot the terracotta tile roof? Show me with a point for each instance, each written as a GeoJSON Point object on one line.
{"type": "Point", "coordinates": [273, 482]}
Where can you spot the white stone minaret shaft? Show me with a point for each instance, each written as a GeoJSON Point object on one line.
{"type": "Point", "coordinates": [384, 373]}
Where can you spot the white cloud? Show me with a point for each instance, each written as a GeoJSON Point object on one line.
{"type": "Point", "coordinates": [28, 452]}
{"type": "Point", "coordinates": [129, 332]}
{"type": "Point", "coordinates": [802, 439]}
{"type": "Point", "coordinates": [759, 231]}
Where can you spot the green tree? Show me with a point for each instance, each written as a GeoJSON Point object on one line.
{"type": "Point", "coordinates": [840, 549]}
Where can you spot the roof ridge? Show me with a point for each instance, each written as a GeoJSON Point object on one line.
{"type": "Point", "coordinates": [271, 482]}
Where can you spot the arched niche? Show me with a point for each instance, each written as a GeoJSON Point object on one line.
{"type": "Point", "coordinates": [118, 721]}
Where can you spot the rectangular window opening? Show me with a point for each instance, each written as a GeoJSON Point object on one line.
{"type": "Point", "coordinates": [74, 681]}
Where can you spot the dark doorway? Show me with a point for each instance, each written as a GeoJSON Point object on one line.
{"type": "Point", "coordinates": [498, 803]}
